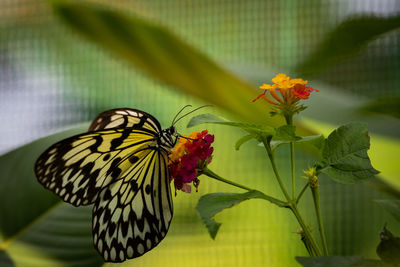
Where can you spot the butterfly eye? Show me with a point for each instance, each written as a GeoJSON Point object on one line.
{"type": "Point", "coordinates": [172, 131]}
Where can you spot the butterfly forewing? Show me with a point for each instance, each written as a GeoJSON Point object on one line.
{"type": "Point", "coordinates": [125, 118]}
{"type": "Point", "coordinates": [119, 166]}
{"type": "Point", "coordinates": [78, 167]}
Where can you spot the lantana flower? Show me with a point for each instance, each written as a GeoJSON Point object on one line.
{"type": "Point", "coordinates": [189, 157]}
{"type": "Point", "coordinates": [290, 92]}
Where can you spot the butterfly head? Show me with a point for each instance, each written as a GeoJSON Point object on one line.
{"type": "Point", "coordinates": [169, 138]}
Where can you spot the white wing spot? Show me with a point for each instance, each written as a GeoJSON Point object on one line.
{"type": "Point", "coordinates": [121, 255]}
{"type": "Point", "coordinates": [113, 254]}
{"type": "Point", "coordinates": [148, 243]}
{"type": "Point", "coordinates": [114, 117]}
{"type": "Point", "coordinates": [100, 245]}
{"type": "Point", "coordinates": [140, 249]}
{"type": "Point", "coordinates": [133, 113]}
{"type": "Point", "coordinates": [105, 255]}
{"type": "Point", "coordinates": [129, 251]}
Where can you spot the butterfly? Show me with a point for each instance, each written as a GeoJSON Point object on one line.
{"type": "Point", "coordinates": [120, 166]}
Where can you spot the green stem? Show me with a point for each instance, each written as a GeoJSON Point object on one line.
{"type": "Point", "coordinates": [293, 205]}
{"type": "Point", "coordinates": [315, 193]}
{"type": "Point", "coordinates": [302, 192]}
{"type": "Point", "coordinates": [306, 230]}
{"type": "Point", "coordinates": [307, 245]}
{"type": "Point", "coordinates": [211, 174]}
{"type": "Point", "coordinates": [215, 176]}
{"type": "Point", "coordinates": [292, 162]}
{"type": "Point", "coordinates": [272, 159]}
{"type": "Point", "coordinates": [289, 121]}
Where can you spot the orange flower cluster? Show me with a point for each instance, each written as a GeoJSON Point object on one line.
{"type": "Point", "coordinates": [290, 90]}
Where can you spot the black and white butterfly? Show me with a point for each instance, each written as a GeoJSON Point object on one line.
{"type": "Point", "coordinates": [120, 166]}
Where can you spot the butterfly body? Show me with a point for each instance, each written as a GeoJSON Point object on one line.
{"type": "Point", "coordinates": [120, 166]}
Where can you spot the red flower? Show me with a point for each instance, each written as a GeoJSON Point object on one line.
{"type": "Point", "coordinates": [302, 91]}
{"type": "Point", "coordinates": [189, 157]}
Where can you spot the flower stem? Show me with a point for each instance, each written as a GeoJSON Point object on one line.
{"type": "Point", "coordinates": [278, 178]}
{"type": "Point", "coordinates": [315, 193]}
{"type": "Point", "coordinates": [292, 205]}
{"type": "Point", "coordinates": [307, 232]}
{"type": "Point", "coordinates": [211, 174]}
{"type": "Point", "coordinates": [215, 176]}
{"type": "Point", "coordinates": [289, 121]}
{"type": "Point", "coordinates": [302, 192]}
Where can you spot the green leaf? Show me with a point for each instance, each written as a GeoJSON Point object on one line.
{"type": "Point", "coordinates": [243, 140]}
{"type": "Point", "coordinates": [285, 133]}
{"type": "Point", "coordinates": [346, 40]}
{"type": "Point", "coordinates": [204, 118]}
{"type": "Point", "coordinates": [316, 141]}
{"type": "Point", "coordinates": [259, 132]}
{"type": "Point", "coordinates": [344, 156]}
{"type": "Point", "coordinates": [164, 56]}
{"type": "Point", "coordinates": [35, 225]}
{"type": "Point", "coordinates": [209, 205]}
{"type": "Point", "coordinates": [342, 261]}
{"type": "Point", "coordinates": [392, 206]}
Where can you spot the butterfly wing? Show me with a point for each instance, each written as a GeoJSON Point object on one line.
{"type": "Point", "coordinates": [125, 118]}
{"type": "Point", "coordinates": [77, 168]}
{"type": "Point", "coordinates": [132, 215]}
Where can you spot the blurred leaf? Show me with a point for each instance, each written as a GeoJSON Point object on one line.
{"type": "Point", "coordinates": [161, 54]}
{"type": "Point", "coordinates": [389, 248]}
{"type": "Point", "coordinates": [35, 225]}
{"type": "Point", "coordinates": [392, 206]}
{"type": "Point", "coordinates": [344, 156]}
{"type": "Point", "coordinates": [342, 261]}
{"type": "Point", "coordinates": [209, 205]}
{"type": "Point", "coordinates": [243, 140]}
{"type": "Point", "coordinates": [383, 186]}
{"type": "Point", "coordinates": [389, 106]}
{"type": "Point", "coordinates": [347, 39]}
{"type": "Point", "coordinates": [258, 132]}
{"type": "Point", "coordinates": [5, 260]}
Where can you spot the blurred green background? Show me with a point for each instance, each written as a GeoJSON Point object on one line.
{"type": "Point", "coordinates": [51, 79]}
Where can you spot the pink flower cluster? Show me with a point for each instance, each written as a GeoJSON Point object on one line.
{"type": "Point", "coordinates": [188, 159]}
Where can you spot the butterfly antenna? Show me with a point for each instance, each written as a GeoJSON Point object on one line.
{"type": "Point", "coordinates": [191, 112]}
{"type": "Point", "coordinates": [173, 121]}
{"type": "Point", "coordinates": [184, 137]}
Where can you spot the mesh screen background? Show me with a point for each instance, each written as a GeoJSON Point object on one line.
{"type": "Point", "coordinates": [50, 79]}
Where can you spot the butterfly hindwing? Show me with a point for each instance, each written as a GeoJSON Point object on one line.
{"type": "Point", "coordinates": [77, 168]}
{"type": "Point", "coordinates": [132, 215]}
